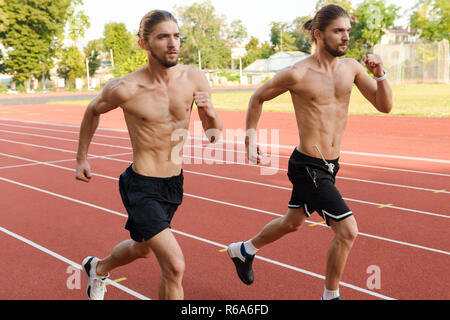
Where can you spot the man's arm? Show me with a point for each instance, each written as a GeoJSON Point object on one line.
{"type": "Point", "coordinates": [206, 112]}
{"type": "Point", "coordinates": [279, 84]}
{"type": "Point", "coordinates": [379, 93]}
{"type": "Point", "coordinates": [110, 98]}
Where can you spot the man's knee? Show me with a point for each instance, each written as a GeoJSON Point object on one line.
{"type": "Point", "coordinates": [291, 225]}
{"type": "Point", "coordinates": [349, 232]}
{"type": "Point", "coordinates": [293, 220]}
{"type": "Point", "coordinates": [174, 269]}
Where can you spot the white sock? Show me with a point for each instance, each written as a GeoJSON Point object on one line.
{"type": "Point", "coordinates": [330, 294]}
{"type": "Point", "coordinates": [250, 248]}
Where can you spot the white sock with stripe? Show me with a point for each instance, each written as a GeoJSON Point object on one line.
{"type": "Point", "coordinates": [330, 294]}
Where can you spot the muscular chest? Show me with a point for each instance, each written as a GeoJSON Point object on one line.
{"type": "Point", "coordinates": [326, 89]}
{"type": "Point", "coordinates": [170, 104]}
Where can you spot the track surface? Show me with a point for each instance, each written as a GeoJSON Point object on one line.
{"type": "Point", "coordinates": [395, 176]}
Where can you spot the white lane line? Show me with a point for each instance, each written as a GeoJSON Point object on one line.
{"type": "Point", "coordinates": [291, 147]}
{"type": "Point", "coordinates": [35, 162]}
{"type": "Point", "coordinates": [63, 139]}
{"type": "Point", "coordinates": [62, 131]}
{"type": "Point", "coordinates": [273, 186]}
{"type": "Point", "coordinates": [240, 163]}
{"type": "Point", "coordinates": [259, 210]}
{"type": "Point", "coordinates": [205, 146]}
{"type": "Point", "coordinates": [69, 262]}
{"type": "Point", "coordinates": [198, 238]}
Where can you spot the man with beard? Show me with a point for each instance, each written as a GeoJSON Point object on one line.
{"type": "Point", "coordinates": [320, 87]}
{"type": "Point", "coordinates": [156, 101]}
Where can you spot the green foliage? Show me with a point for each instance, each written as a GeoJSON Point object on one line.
{"type": "Point", "coordinates": [134, 62]}
{"type": "Point", "coordinates": [281, 38]}
{"type": "Point", "coordinates": [3, 88]}
{"type": "Point", "coordinates": [78, 22]}
{"type": "Point", "coordinates": [301, 39]}
{"type": "Point", "coordinates": [118, 39]}
{"type": "Point", "coordinates": [72, 65]}
{"type": "Point", "coordinates": [372, 17]}
{"type": "Point", "coordinates": [201, 30]}
{"type": "Point", "coordinates": [237, 32]}
{"type": "Point", "coordinates": [256, 51]}
{"type": "Point", "coordinates": [345, 4]}
{"type": "Point", "coordinates": [92, 51]}
{"type": "Point", "coordinates": [431, 19]}
{"type": "Point", "coordinates": [33, 34]}
{"type": "Point", "coordinates": [3, 18]}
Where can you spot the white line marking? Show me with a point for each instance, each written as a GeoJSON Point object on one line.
{"type": "Point", "coordinates": [252, 182]}
{"type": "Point", "coordinates": [238, 163]}
{"type": "Point", "coordinates": [291, 147]}
{"type": "Point", "coordinates": [194, 237]}
{"type": "Point", "coordinates": [64, 139]}
{"type": "Point", "coordinates": [69, 262]}
{"type": "Point", "coordinates": [256, 210]}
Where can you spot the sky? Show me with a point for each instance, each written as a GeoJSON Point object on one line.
{"type": "Point", "coordinates": [256, 15]}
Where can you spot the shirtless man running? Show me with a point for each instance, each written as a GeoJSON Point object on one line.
{"type": "Point", "coordinates": [320, 87]}
{"type": "Point", "coordinates": [156, 100]}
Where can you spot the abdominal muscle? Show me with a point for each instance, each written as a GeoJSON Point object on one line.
{"type": "Point", "coordinates": [321, 127]}
{"type": "Point", "coordinates": [156, 151]}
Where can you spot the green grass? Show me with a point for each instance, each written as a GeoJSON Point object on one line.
{"type": "Point", "coordinates": [431, 100]}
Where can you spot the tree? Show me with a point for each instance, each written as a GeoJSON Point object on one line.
{"type": "Point", "coordinates": [301, 39]}
{"type": "Point", "coordinates": [92, 51]}
{"type": "Point", "coordinates": [3, 18]}
{"type": "Point", "coordinates": [78, 22]}
{"type": "Point", "coordinates": [345, 4]}
{"type": "Point", "coordinates": [118, 39]}
{"type": "Point", "coordinates": [281, 37]}
{"type": "Point", "coordinates": [202, 32]}
{"type": "Point", "coordinates": [32, 35]}
{"type": "Point", "coordinates": [431, 19]}
{"type": "Point", "coordinates": [72, 64]}
{"type": "Point", "coordinates": [256, 51]}
{"type": "Point", "coordinates": [238, 32]}
{"type": "Point", "coordinates": [372, 18]}
{"type": "Point", "coordinates": [134, 62]}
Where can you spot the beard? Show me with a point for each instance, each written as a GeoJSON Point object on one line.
{"type": "Point", "coordinates": [334, 52]}
{"type": "Point", "coordinates": [163, 60]}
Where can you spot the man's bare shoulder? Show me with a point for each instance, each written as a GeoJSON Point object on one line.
{"type": "Point", "coordinates": [198, 78]}
{"type": "Point", "coordinates": [350, 62]}
{"type": "Point", "coordinates": [120, 90]}
{"type": "Point", "coordinates": [297, 71]}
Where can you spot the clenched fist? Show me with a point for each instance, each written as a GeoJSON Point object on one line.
{"type": "Point", "coordinates": [374, 64]}
{"type": "Point", "coordinates": [203, 101]}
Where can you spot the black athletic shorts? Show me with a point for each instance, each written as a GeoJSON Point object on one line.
{"type": "Point", "coordinates": [150, 202]}
{"type": "Point", "coordinates": [314, 189]}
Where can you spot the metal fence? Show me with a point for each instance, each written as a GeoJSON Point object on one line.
{"type": "Point", "coordinates": [416, 62]}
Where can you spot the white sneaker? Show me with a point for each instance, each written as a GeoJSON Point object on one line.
{"type": "Point", "coordinates": [96, 285]}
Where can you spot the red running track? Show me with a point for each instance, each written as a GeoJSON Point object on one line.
{"type": "Point", "coordinates": [395, 174]}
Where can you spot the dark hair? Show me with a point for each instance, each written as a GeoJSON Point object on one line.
{"type": "Point", "coordinates": [323, 19]}
{"type": "Point", "coordinates": [151, 19]}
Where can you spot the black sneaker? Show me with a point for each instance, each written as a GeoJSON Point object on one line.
{"type": "Point", "coordinates": [337, 298]}
{"type": "Point", "coordinates": [243, 264]}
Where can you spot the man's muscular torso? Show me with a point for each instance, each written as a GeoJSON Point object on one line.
{"type": "Point", "coordinates": [153, 111]}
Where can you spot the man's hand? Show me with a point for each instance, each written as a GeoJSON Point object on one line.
{"type": "Point", "coordinates": [83, 171]}
{"type": "Point", "coordinates": [203, 101]}
{"type": "Point", "coordinates": [254, 152]}
{"type": "Point", "coordinates": [374, 64]}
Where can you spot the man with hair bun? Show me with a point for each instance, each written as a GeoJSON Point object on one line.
{"type": "Point", "coordinates": [156, 101]}
{"type": "Point", "coordinates": [320, 87]}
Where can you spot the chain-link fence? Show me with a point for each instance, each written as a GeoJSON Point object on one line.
{"type": "Point", "coordinates": [416, 62]}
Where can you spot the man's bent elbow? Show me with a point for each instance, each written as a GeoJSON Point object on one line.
{"type": "Point", "coordinates": [387, 108]}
